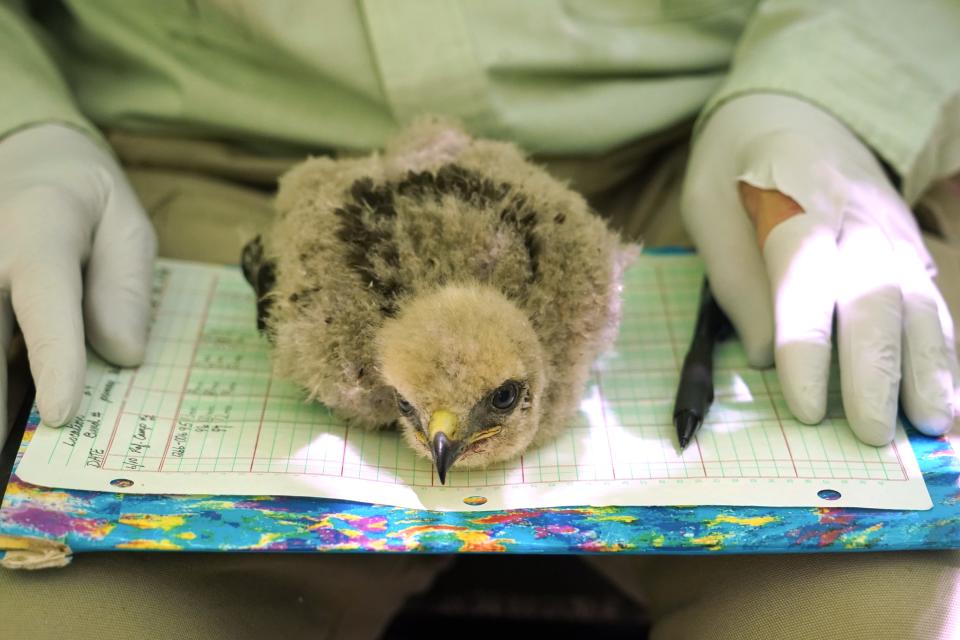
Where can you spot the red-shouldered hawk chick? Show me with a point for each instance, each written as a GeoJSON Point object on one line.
{"type": "Point", "coordinates": [448, 285]}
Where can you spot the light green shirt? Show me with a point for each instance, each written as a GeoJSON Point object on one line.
{"type": "Point", "coordinates": [556, 76]}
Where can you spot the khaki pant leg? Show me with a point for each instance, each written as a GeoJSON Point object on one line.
{"type": "Point", "coordinates": [636, 188]}
{"type": "Point", "coordinates": [212, 596]}
{"type": "Point", "coordinates": [198, 217]}
{"type": "Point", "coordinates": [207, 199]}
{"type": "Point", "coordinates": [849, 596]}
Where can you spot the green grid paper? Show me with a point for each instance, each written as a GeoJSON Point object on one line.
{"type": "Point", "coordinates": [205, 401]}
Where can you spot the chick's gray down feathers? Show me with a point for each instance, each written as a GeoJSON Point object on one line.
{"type": "Point", "coordinates": [431, 273]}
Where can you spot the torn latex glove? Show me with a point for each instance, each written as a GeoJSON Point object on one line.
{"type": "Point", "coordinates": [794, 217]}
{"type": "Point", "coordinates": [76, 256]}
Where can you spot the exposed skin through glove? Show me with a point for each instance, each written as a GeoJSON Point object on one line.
{"type": "Point", "coordinates": [766, 208]}
{"type": "Point", "coordinates": [76, 256]}
{"type": "Point", "coordinates": [795, 218]}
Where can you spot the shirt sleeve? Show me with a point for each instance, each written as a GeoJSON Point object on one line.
{"type": "Point", "coordinates": [32, 91]}
{"type": "Point", "coordinates": [888, 69]}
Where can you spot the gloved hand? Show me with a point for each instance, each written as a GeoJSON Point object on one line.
{"type": "Point", "coordinates": [72, 235]}
{"type": "Point", "coordinates": [794, 216]}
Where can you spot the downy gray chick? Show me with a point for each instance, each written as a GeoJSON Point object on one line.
{"type": "Point", "coordinates": [448, 285]}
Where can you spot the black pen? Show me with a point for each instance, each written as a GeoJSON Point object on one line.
{"type": "Point", "coordinates": [695, 391]}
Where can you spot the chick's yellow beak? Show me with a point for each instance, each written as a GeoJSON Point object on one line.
{"type": "Point", "coordinates": [446, 448]}
{"type": "Point", "coordinates": [442, 421]}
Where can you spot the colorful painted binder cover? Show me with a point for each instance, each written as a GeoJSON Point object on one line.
{"type": "Point", "coordinates": [43, 527]}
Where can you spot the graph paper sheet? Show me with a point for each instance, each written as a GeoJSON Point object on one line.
{"type": "Point", "coordinates": [204, 415]}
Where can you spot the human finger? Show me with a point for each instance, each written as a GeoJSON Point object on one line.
{"type": "Point", "coordinates": [801, 258]}
{"type": "Point", "coordinates": [725, 240]}
{"type": "Point", "coordinates": [46, 300]}
{"type": "Point", "coordinates": [929, 361]}
{"type": "Point", "coordinates": [800, 252]}
{"type": "Point", "coordinates": [46, 290]}
{"type": "Point", "coordinates": [118, 280]}
{"type": "Point", "coordinates": [869, 327]}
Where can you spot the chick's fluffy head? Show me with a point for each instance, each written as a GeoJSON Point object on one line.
{"type": "Point", "coordinates": [450, 350]}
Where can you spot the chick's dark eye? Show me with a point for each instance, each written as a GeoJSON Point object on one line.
{"type": "Point", "coordinates": [405, 407]}
{"type": "Point", "coordinates": [505, 396]}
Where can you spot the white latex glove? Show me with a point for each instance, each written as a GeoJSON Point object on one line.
{"type": "Point", "coordinates": [846, 240]}
{"type": "Point", "coordinates": [76, 252]}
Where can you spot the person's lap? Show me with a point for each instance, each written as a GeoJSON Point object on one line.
{"type": "Point", "coordinates": [849, 596]}
{"type": "Point", "coordinates": [212, 596]}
